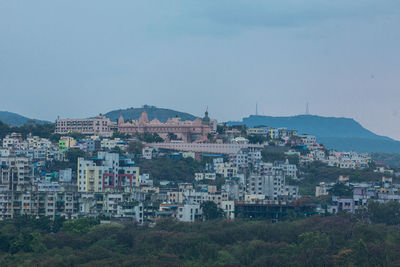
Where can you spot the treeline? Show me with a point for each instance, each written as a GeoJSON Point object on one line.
{"type": "Point", "coordinates": [316, 172]}
{"type": "Point", "coordinates": [36, 129]}
{"type": "Point", "coordinates": [391, 159]}
{"type": "Point", "coordinates": [315, 241]}
{"type": "Point", "coordinates": [171, 169]}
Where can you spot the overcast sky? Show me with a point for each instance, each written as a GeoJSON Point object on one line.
{"type": "Point", "coordinates": [80, 58]}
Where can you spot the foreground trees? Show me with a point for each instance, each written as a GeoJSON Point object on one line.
{"type": "Point", "coordinates": [315, 241]}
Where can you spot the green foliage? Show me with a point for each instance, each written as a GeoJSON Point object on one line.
{"type": "Point", "coordinates": [170, 169]}
{"type": "Point", "coordinates": [315, 241]}
{"type": "Point", "coordinates": [278, 156]}
{"type": "Point", "coordinates": [120, 135]}
{"type": "Point", "coordinates": [59, 165]}
{"type": "Point", "coordinates": [76, 135]}
{"type": "Point", "coordinates": [221, 129]}
{"type": "Point", "coordinates": [388, 213]}
{"type": "Point", "coordinates": [172, 136]}
{"type": "Point", "coordinates": [149, 138]}
{"type": "Point", "coordinates": [257, 139]}
{"type": "Point", "coordinates": [41, 130]}
{"type": "Point", "coordinates": [73, 154]}
{"type": "Point", "coordinates": [341, 190]}
{"type": "Point", "coordinates": [118, 150]}
{"type": "Point", "coordinates": [317, 172]}
{"type": "Point", "coordinates": [391, 159]}
{"type": "Point", "coordinates": [135, 147]}
{"type": "Point", "coordinates": [79, 226]}
{"type": "Point", "coordinates": [211, 210]}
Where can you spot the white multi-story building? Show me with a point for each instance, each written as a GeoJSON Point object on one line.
{"type": "Point", "coordinates": [108, 144]}
{"type": "Point", "coordinates": [308, 140]}
{"type": "Point", "coordinates": [149, 152]}
{"type": "Point", "coordinates": [269, 180]}
{"type": "Point", "coordinates": [229, 209]}
{"type": "Point", "coordinates": [12, 141]}
{"type": "Point", "coordinates": [245, 157]}
{"type": "Point", "coordinates": [65, 176]}
{"type": "Point", "coordinates": [189, 212]}
{"type": "Point", "coordinates": [226, 169]}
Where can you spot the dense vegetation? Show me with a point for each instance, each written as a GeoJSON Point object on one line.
{"type": "Point", "coordinates": [277, 156]}
{"type": "Point", "coordinates": [171, 169]}
{"type": "Point", "coordinates": [41, 130]}
{"type": "Point", "coordinates": [391, 159]}
{"type": "Point", "coordinates": [315, 241]}
{"type": "Point", "coordinates": [317, 172]}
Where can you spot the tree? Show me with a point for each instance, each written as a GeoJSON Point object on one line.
{"type": "Point", "coordinates": [149, 138]}
{"type": "Point", "coordinates": [120, 135]}
{"type": "Point", "coordinates": [211, 210]}
{"type": "Point", "coordinates": [341, 190]}
{"type": "Point", "coordinates": [76, 135]}
{"type": "Point", "coordinates": [272, 156]}
{"type": "Point", "coordinates": [387, 213]}
{"type": "Point", "coordinates": [73, 154]}
{"type": "Point", "coordinates": [221, 129]}
{"type": "Point", "coordinates": [257, 139]}
{"type": "Point", "coordinates": [172, 136]}
{"type": "Point", "coordinates": [80, 226]}
{"type": "Point", "coordinates": [135, 147]}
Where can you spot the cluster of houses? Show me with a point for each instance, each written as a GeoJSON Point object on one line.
{"type": "Point", "coordinates": [109, 184]}
{"type": "Point", "coordinates": [104, 184]}
{"type": "Point", "coordinates": [359, 194]}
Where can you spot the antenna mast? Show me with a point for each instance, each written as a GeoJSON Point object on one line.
{"type": "Point", "coordinates": [256, 109]}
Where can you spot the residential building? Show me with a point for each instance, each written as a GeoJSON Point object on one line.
{"type": "Point", "coordinates": [99, 126]}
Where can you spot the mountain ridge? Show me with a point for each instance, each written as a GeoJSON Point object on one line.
{"type": "Point", "coordinates": [335, 132]}
{"type": "Point", "coordinates": [14, 119]}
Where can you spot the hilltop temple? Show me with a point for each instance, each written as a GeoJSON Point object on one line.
{"type": "Point", "coordinates": [187, 131]}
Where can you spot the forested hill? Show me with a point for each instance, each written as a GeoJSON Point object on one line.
{"type": "Point", "coordinates": [14, 119]}
{"type": "Point", "coordinates": [335, 133]}
{"type": "Point", "coordinates": [162, 114]}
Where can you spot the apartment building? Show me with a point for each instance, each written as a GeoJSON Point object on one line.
{"type": "Point", "coordinates": [128, 205]}
{"type": "Point", "coordinates": [107, 171]}
{"type": "Point", "coordinates": [269, 180]}
{"type": "Point", "coordinates": [15, 172]}
{"type": "Point", "coordinates": [99, 126]}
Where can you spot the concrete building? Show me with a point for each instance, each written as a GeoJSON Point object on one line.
{"type": "Point", "coordinates": [99, 126]}
{"type": "Point", "coordinates": [65, 175]}
{"type": "Point", "coordinates": [205, 176]}
{"type": "Point", "coordinates": [15, 172]}
{"type": "Point", "coordinates": [106, 171]}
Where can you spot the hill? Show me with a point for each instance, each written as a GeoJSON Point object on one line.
{"type": "Point", "coordinates": [162, 114]}
{"type": "Point", "coordinates": [335, 133]}
{"type": "Point", "coordinates": [14, 119]}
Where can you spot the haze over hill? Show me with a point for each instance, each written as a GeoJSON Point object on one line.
{"type": "Point", "coordinates": [14, 119]}
{"type": "Point", "coordinates": [336, 133]}
{"type": "Point", "coordinates": [162, 114]}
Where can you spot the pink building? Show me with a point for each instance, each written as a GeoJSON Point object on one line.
{"type": "Point", "coordinates": [188, 131]}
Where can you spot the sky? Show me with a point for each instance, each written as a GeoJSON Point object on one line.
{"type": "Point", "coordinates": [77, 58]}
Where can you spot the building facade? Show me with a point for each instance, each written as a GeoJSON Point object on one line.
{"type": "Point", "coordinates": [100, 126]}
{"type": "Point", "coordinates": [188, 131]}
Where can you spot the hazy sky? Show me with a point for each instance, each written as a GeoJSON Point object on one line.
{"type": "Point", "coordinates": [81, 58]}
